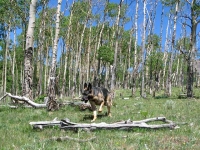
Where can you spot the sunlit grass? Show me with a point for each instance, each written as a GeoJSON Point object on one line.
{"type": "Point", "coordinates": [16, 133]}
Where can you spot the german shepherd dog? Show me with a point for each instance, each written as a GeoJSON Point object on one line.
{"type": "Point", "coordinates": [97, 96]}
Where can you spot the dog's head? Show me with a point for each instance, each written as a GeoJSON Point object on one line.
{"type": "Point", "coordinates": [86, 91]}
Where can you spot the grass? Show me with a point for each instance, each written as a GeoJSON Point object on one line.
{"type": "Point", "coordinates": [17, 134]}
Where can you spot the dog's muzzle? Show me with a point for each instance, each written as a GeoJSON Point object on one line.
{"type": "Point", "coordinates": [85, 99]}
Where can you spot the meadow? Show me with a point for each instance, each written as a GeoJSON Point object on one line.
{"type": "Point", "coordinates": [17, 134]}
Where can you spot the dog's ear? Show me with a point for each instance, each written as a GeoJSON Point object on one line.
{"type": "Point", "coordinates": [85, 86]}
{"type": "Point", "coordinates": [89, 86]}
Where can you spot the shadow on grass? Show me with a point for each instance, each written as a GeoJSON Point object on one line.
{"type": "Point", "coordinates": [90, 116]}
{"type": "Point", "coordinates": [164, 96]}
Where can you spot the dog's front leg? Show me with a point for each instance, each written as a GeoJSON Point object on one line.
{"type": "Point", "coordinates": [109, 113]}
{"type": "Point", "coordinates": [109, 104]}
{"type": "Point", "coordinates": [94, 111]}
{"type": "Point", "coordinates": [101, 106]}
{"type": "Point", "coordinates": [95, 116]}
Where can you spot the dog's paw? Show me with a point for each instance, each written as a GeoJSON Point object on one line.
{"type": "Point", "coordinates": [93, 120]}
{"type": "Point", "coordinates": [99, 111]}
{"type": "Point", "coordinates": [109, 115]}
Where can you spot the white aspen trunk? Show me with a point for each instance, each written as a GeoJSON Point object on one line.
{"type": "Point", "coordinates": [5, 57]}
{"type": "Point", "coordinates": [41, 49]}
{"type": "Point", "coordinates": [129, 51]}
{"type": "Point", "coordinates": [134, 75]}
{"type": "Point", "coordinates": [127, 80]}
{"type": "Point", "coordinates": [151, 48]}
{"type": "Point", "coordinates": [28, 69]}
{"type": "Point", "coordinates": [143, 48]}
{"type": "Point", "coordinates": [113, 71]}
{"type": "Point", "coordinates": [2, 83]}
{"type": "Point", "coordinates": [52, 103]}
{"type": "Point", "coordinates": [66, 57]}
{"type": "Point", "coordinates": [75, 65]}
{"type": "Point", "coordinates": [177, 73]}
{"type": "Point", "coordinates": [181, 75]}
{"type": "Point", "coordinates": [39, 64]}
{"type": "Point", "coordinates": [178, 76]}
{"type": "Point", "coordinates": [16, 80]}
{"type": "Point", "coordinates": [95, 62]}
{"type": "Point", "coordinates": [99, 40]}
{"type": "Point", "coordinates": [13, 64]}
{"type": "Point", "coordinates": [71, 71]}
{"type": "Point", "coordinates": [169, 87]}
{"type": "Point", "coordinates": [158, 72]}
{"type": "Point", "coordinates": [46, 69]}
{"type": "Point", "coordinates": [166, 52]}
{"type": "Point", "coordinates": [21, 75]}
{"type": "Point", "coordinates": [192, 52]}
{"type": "Point", "coordinates": [80, 47]}
{"type": "Point", "coordinates": [88, 55]}
{"type": "Point", "coordinates": [79, 58]}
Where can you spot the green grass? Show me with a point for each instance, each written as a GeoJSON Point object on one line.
{"type": "Point", "coordinates": [17, 134]}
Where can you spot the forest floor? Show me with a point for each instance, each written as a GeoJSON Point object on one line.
{"type": "Point", "coordinates": [17, 134]}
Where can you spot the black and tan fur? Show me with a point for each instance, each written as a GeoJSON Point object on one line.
{"type": "Point", "coordinates": [97, 96]}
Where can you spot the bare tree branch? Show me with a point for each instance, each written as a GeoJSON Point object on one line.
{"type": "Point", "coordinates": [24, 99]}
{"type": "Point", "coordinates": [187, 25]}
{"type": "Point", "coordinates": [187, 17]}
{"type": "Point", "coordinates": [128, 124]}
{"type": "Point", "coordinates": [188, 2]}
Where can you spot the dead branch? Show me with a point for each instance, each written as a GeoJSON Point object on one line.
{"type": "Point", "coordinates": [42, 124]}
{"type": "Point", "coordinates": [128, 124]}
{"type": "Point", "coordinates": [122, 125]}
{"type": "Point", "coordinates": [82, 105]}
{"type": "Point", "coordinates": [15, 107]}
{"type": "Point", "coordinates": [24, 99]}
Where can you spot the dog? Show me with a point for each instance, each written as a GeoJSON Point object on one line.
{"type": "Point", "coordinates": [97, 96]}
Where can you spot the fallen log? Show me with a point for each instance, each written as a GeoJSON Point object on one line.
{"type": "Point", "coordinates": [82, 105]}
{"type": "Point", "coordinates": [128, 124]}
{"type": "Point", "coordinates": [24, 99]}
{"type": "Point", "coordinates": [42, 124]}
{"type": "Point", "coordinates": [15, 107]}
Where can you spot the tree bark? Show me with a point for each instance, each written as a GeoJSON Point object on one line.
{"type": "Point", "coordinates": [142, 93]}
{"type": "Point", "coordinates": [52, 103]}
{"type": "Point", "coordinates": [165, 57]}
{"type": "Point", "coordinates": [113, 70]}
{"type": "Point", "coordinates": [135, 67]}
{"type": "Point", "coordinates": [14, 88]}
{"type": "Point", "coordinates": [28, 70]}
{"type": "Point", "coordinates": [67, 53]}
{"type": "Point", "coordinates": [191, 55]}
{"type": "Point", "coordinates": [41, 49]}
{"type": "Point", "coordinates": [169, 87]}
{"type": "Point", "coordinates": [6, 56]}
